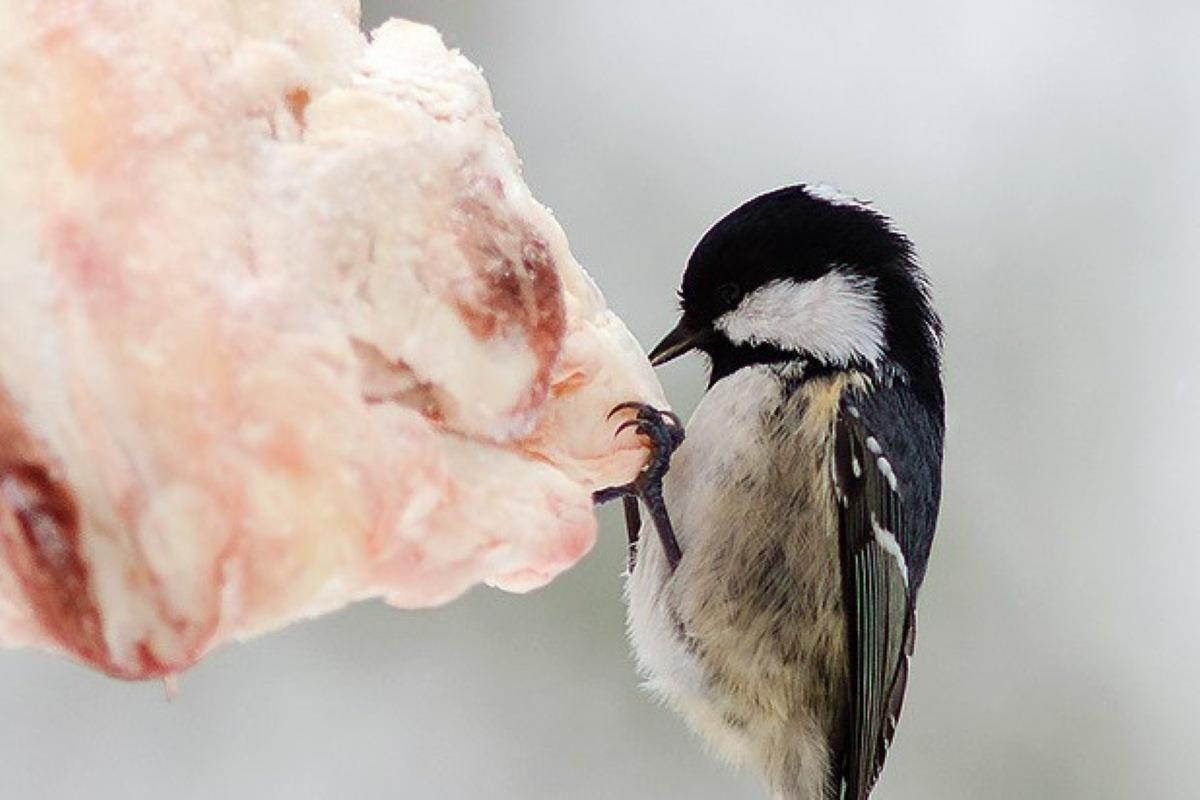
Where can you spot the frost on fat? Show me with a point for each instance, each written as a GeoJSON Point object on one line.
{"type": "Point", "coordinates": [281, 327]}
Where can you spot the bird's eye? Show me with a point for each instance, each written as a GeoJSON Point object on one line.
{"type": "Point", "coordinates": [729, 294]}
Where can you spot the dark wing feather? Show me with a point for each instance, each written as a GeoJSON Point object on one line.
{"type": "Point", "coordinates": [887, 462]}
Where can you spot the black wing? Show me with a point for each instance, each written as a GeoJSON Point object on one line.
{"type": "Point", "coordinates": [887, 471]}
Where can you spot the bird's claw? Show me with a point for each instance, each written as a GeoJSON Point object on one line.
{"type": "Point", "coordinates": [647, 409]}
{"type": "Point", "coordinates": [662, 428]}
{"type": "Point", "coordinates": [665, 433]}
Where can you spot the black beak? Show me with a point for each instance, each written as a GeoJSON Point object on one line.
{"type": "Point", "coordinates": [683, 338]}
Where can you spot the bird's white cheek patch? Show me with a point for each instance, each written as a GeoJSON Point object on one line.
{"type": "Point", "coordinates": [835, 318]}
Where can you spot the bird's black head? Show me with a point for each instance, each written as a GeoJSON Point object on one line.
{"type": "Point", "coordinates": [805, 273]}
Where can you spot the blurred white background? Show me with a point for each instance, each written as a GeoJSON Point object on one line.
{"type": "Point", "coordinates": [1045, 157]}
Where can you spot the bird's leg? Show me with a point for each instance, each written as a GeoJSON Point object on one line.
{"type": "Point", "coordinates": [633, 517]}
{"type": "Point", "coordinates": [633, 526]}
{"type": "Point", "coordinates": [665, 433]}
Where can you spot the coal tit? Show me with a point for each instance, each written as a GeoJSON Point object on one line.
{"type": "Point", "coordinates": [802, 503]}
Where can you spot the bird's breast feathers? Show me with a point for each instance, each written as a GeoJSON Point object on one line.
{"type": "Point", "coordinates": [751, 627]}
{"type": "Point", "coordinates": [756, 429]}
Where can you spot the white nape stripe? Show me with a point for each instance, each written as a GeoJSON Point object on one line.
{"type": "Point", "coordinates": [823, 191]}
{"type": "Point", "coordinates": [835, 318]}
{"type": "Point", "coordinates": [887, 540]}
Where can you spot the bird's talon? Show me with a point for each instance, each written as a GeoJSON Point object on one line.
{"type": "Point", "coordinates": [626, 406]}
{"type": "Point", "coordinates": [646, 412]}
{"type": "Point", "coordinates": [626, 425]}
{"type": "Point", "coordinates": [665, 432]}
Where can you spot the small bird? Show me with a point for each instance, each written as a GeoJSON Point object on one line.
{"type": "Point", "coordinates": [775, 610]}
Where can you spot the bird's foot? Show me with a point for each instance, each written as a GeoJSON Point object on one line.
{"type": "Point", "coordinates": [665, 432]}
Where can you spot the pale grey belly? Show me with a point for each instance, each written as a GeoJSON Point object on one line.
{"type": "Point", "coordinates": [748, 639]}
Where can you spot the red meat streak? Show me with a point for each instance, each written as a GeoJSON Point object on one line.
{"type": "Point", "coordinates": [41, 541]}
{"type": "Point", "coordinates": [518, 297]}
